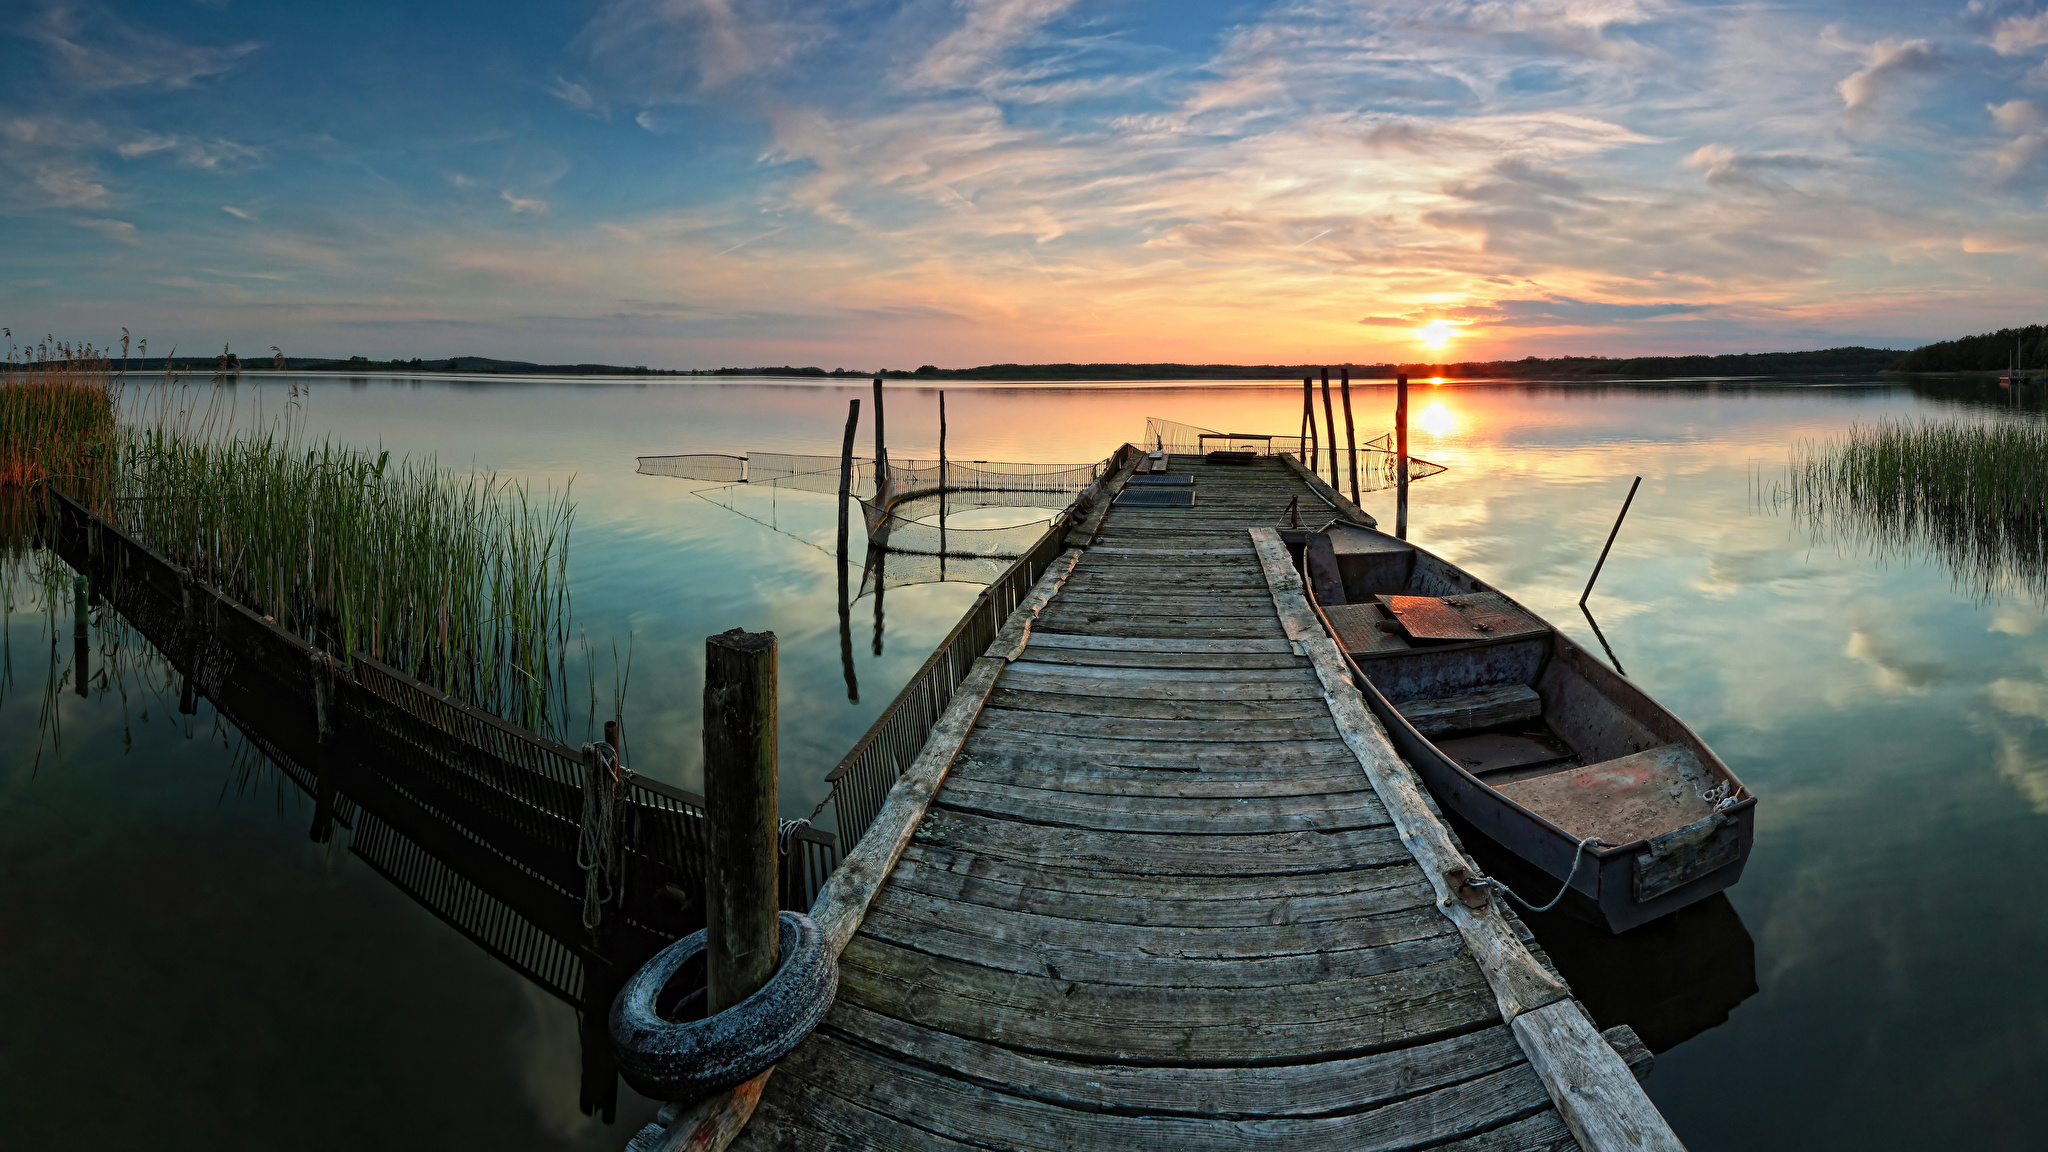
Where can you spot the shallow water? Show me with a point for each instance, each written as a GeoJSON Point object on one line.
{"type": "Point", "coordinates": [181, 965]}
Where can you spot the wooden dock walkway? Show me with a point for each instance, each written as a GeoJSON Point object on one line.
{"type": "Point", "coordinates": [1156, 902]}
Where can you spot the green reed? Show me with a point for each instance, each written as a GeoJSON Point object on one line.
{"type": "Point", "coordinates": [1974, 494]}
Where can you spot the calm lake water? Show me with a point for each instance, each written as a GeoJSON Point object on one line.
{"type": "Point", "coordinates": [180, 967]}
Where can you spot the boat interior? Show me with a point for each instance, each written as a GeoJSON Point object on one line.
{"type": "Point", "coordinates": [1500, 693]}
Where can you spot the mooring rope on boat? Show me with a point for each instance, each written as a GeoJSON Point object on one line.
{"type": "Point", "coordinates": [1578, 854]}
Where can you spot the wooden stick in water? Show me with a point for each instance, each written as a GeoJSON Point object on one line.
{"type": "Point", "coordinates": [1401, 455]}
{"type": "Point", "coordinates": [1615, 531]}
{"type": "Point", "coordinates": [1308, 423]}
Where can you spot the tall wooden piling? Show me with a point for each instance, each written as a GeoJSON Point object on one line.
{"type": "Point", "coordinates": [845, 492]}
{"type": "Point", "coordinates": [1350, 434]}
{"type": "Point", "coordinates": [740, 807]}
{"type": "Point", "coordinates": [1308, 423]}
{"type": "Point", "coordinates": [942, 485]}
{"type": "Point", "coordinates": [1330, 422]}
{"type": "Point", "coordinates": [881, 452]}
{"type": "Point", "coordinates": [1401, 455]}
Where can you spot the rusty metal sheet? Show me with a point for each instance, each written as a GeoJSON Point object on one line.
{"type": "Point", "coordinates": [1362, 628]}
{"type": "Point", "coordinates": [1455, 619]}
{"type": "Point", "coordinates": [1162, 480]}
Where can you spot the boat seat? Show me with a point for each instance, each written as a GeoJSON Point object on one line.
{"type": "Point", "coordinates": [1622, 800]}
{"type": "Point", "coordinates": [1485, 708]}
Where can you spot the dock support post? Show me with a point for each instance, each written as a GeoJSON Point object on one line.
{"type": "Point", "coordinates": [1308, 423]}
{"type": "Point", "coordinates": [740, 807]}
{"type": "Point", "coordinates": [881, 453]}
{"type": "Point", "coordinates": [942, 486]}
{"type": "Point", "coordinates": [1401, 455]}
{"type": "Point", "coordinates": [1350, 434]}
{"type": "Point", "coordinates": [845, 607]}
{"type": "Point", "coordinates": [1330, 422]}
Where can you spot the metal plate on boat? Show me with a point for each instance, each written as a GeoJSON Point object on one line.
{"type": "Point", "coordinates": [1156, 498]}
{"type": "Point", "coordinates": [1362, 628]}
{"type": "Point", "coordinates": [1456, 619]}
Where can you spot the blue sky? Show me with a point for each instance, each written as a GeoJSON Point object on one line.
{"type": "Point", "coordinates": [692, 183]}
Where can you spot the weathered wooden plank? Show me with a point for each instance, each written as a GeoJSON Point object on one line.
{"type": "Point", "coordinates": [1233, 706]}
{"type": "Point", "coordinates": [979, 1113]}
{"type": "Point", "coordinates": [1127, 678]}
{"type": "Point", "coordinates": [1314, 952]}
{"type": "Point", "coordinates": [1108, 779]}
{"type": "Point", "coordinates": [1137, 1023]}
{"type": "Point", "coordinates": [1595, 1092]}
{"type": "Point", "coordinates": [1505, 704]}
{"type": "Point", "coordinates": [998, 746]}
{"type": "Point", "coordinates": [1196, 815]}
{"type": "Point", "coordinates": [1237, 732]}
{"type": "Point", "coordinates": [1162, 854]}
{"type": "Point", "coordinates": [796, 1115]}
{"type": "Point", "coordinates": [1162, 662]}
{"type": "Point", "coordinates": [1124, 898]}
{"type": "Point", "coordinates": [1153, 644]}
{"type": "Point", "coordinates": [1350, 1083]}
{"type": "Point", "coordinates": [1140, 684]}
{"type": "Point", "coordinates": [1242, 628]}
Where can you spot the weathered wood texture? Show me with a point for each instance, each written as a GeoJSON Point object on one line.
{"type": "Point", "coordinates": [1153, 901]}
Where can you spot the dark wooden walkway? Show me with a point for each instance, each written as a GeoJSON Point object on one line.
{"type": "Point", "coordinates": [1157, 904]}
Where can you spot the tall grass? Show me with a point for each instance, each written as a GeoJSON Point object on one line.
{"type": "Point", "coordinates": [57, 413]}
{"type": "Point", "coordinates": [1974, 494]}
{"type": "Point", "coordinates": [457, 579]}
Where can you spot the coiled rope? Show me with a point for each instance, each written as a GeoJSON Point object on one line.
{"type": "Point", "coordinates": [597, 846]}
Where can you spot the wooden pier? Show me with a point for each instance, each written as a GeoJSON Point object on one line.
{"type": "Point", "coordinates": [1153, 884]}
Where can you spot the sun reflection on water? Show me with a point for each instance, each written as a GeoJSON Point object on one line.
{"type": "Point", "coordinates": [1438, 420]}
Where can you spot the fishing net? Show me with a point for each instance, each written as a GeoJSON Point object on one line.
{"type": "Point", "coordinates": [970, 483]}
{"type": "Point", "coordinates": [1377, 459]}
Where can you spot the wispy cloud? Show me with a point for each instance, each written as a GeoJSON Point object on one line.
{"type": "Point", "coordinates": [990, 28]}
{"type": "Point", "coordinates": [1888, 64]}
{"type": "Point", "coordinates": [215, 154]}
{"type": "Point", "coordinates": [99, 50]}
{"type": "Point", "coordinates": [119, 231]}
{"type": "Point", "coordinates": [524, 205]}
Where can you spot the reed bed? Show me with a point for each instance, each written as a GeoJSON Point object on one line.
{"type": "Point", "coordinates": [1975, 495]}
{"type": "Point", "coordinates": [457, 579]}
{"type": "Point", "coordinates": [57, 414]}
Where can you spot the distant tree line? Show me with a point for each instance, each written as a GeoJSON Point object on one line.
{"type": "Point", "coordinates": [1990, 352]}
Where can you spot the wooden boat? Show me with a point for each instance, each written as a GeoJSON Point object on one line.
{"type": "Point", "coordinates": [1552, 754]}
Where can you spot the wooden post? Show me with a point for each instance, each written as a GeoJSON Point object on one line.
{"type": "Point", "coordinates": [846, 491]}
{"type": "Point", "coordinates": [1350, 434]}
{"type": "Point", "coordinates": [1401, 455]}
{"type": "Point", "coordinates": [942, 486]}
{"type": "Point", "coordinates": [1330, 422]}
{"type": "Point", "coordinates": [740, 808]}
{"type": "Point", "coordinates": [881, 452]}
{"type": "Point", "coordinates": [1308, 423]}
{"type": "Point", "coordinates": [846, 466]}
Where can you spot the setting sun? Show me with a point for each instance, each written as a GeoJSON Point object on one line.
{"type": "Point", "coordinates": [1436, 333]}
{"type": "Point", "coordinates": [1438, 420]}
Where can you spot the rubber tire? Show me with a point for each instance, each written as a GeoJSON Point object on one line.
{"type": "Point", "coordinates": [687, 1062]}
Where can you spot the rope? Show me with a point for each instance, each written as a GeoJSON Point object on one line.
{"type": "Point", "coordinates": [1578, 854]}
{"type": "Point", "coordinates": [597, 847]}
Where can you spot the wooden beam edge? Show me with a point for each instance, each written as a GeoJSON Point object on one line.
{"type": "Point", "coordinates": [1346, 510]}
{"type": "Point", "coordinates": [1104, 495]}
{"type": "Point", "coordinates": [1595, 1093]}
{"type": "Point", "coordinates": [843, 903]}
